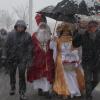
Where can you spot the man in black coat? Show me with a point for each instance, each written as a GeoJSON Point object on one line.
{"type": "Point", "coordinates": [19, 55]}
{"type": "Point", "coordinates": [3, 39]}
{"type": "Point", "coordinates": [90, 42]}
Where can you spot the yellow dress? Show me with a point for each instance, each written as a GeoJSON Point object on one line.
{"type": "Point", "coordinates": [60, 85]}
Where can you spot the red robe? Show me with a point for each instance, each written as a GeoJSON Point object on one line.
{"type": "Point", "coordinates": [43, 63]}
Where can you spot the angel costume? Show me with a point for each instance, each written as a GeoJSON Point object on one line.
{"type": "Point", "coordinates": [69, 80]}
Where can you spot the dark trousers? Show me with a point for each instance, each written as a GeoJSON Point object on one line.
{"type": "Point", "coordinates": [22, 81]}
{"type": "Point", "coordinates": [91, 79]}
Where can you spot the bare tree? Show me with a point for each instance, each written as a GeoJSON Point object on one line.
{"type": "Point", "coordinates": [22, 12]}
{"type": "Point", "coordinates": [6, 19]}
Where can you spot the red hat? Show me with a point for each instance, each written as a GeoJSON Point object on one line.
{"type": "Point", "coordinates": [38, 18]}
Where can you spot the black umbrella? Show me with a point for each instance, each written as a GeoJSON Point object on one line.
{"type": "Point", "coordinates": [66, 7]}
{"type": "Point", "coordinates": [83, 8]}
{"type": "Point", "coordinates": [67, 18]}
{"type": "Point", "coordinates": [71, 7]}
{"type": "Point", "coordinates": [49, 12]}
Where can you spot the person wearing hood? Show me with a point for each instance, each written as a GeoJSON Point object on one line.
{"type": "Point", "coordinates": [19, 55]}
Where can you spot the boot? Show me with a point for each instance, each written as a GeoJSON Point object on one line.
{"type": "Point", "coordinates": [23, 97]}
{"type": "Point", "coordinates": [12, 92]}
{"type": "Point", "coordinates": [40, 92]}
{"type": "Point", "coordinates": [48, 95]}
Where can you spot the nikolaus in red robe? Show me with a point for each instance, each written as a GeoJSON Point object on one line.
{"type": "Point", "coordinates": [43, 63]}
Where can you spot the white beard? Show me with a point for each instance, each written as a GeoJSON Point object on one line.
{"type": "Point", "coordinates": [43, 36]}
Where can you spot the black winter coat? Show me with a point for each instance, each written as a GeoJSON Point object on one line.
{"type": "Point", "coordinates": [90, 49]}
{"type": "Point", "coordinates": [19, 48]}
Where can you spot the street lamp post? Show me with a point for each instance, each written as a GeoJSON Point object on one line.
{"type": "Point", "coordinates": [30, 15]}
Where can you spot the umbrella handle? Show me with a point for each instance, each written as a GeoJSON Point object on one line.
{"type": "Point", "coordinates": [54, 28]}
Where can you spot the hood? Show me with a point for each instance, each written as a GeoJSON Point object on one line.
{"type": "Point", "coordinates": [20, 23]}
{"type": "Point", "coordinates": [3, 32]}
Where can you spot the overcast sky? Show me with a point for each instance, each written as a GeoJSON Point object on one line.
{"type": "Point", "coordinates": [38, 4]}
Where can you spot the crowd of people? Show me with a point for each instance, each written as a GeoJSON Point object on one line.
{"type": "Point", "coordinates": [64, 65]}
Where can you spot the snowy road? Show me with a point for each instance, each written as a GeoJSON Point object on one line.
{"type": "Point", "coordinates": [4, 90]}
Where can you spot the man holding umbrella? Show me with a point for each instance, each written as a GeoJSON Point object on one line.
{"type": "Point", "coordinates": [90, 42]}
